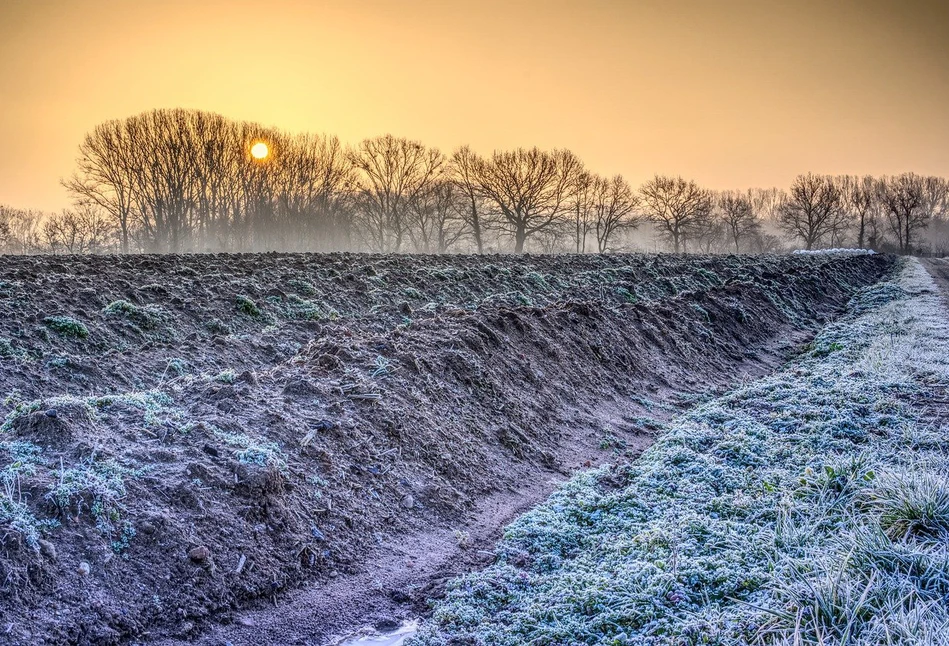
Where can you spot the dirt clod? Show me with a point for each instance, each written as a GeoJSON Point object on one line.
{"type": "Point", "coordinates": [47, 549]}
{"type": "Point", "coordinates": [199, 554]}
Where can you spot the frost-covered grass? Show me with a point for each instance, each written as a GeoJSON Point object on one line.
{"type": "Point", "coordinates": [254, 451]}
{"type": "Point", "coordinates": [67, 326]}
{"type": "Point", "coordinates": [809, 507]}
{"type": "Point", "coordinates": [835, 252]}
{"type": "Point", "coordinates": [147, 317]}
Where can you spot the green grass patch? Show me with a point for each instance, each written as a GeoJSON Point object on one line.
{"type": "Point", "coordinates": [66, 326]}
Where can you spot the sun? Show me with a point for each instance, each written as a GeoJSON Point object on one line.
{"type": "Point", "coordinates": [259, 150]}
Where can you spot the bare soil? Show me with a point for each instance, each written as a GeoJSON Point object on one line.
{"type": "Point", "coordinates": [304, 444]}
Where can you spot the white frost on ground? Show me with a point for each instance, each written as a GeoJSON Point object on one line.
{"type": "Point", "coordinates": [834, 251]}
{"type": "Point", "coordinates": [808, 507]}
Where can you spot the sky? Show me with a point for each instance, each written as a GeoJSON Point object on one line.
{"type": "Point", "coordinates": [731, 93]}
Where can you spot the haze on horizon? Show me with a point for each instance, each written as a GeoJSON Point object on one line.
{"type": "Point", "coordinates": [732, 94]}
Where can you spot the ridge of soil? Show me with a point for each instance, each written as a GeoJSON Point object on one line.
{"type": "Point", "coordinates": [362, 425]}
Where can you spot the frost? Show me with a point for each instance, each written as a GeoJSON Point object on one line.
{"type": "Point", "coordinates": [834, 252]}
{"type": "Point", "coordinates": [811, 506]}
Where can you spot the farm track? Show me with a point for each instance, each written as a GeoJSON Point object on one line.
{"type": "Point", "coordinates": [365, 432]}
{"type": "Point", "coordinates": [936, 411]}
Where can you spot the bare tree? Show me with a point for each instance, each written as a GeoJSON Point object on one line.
{"type": "Point", "coordinates": [528, 188]}
{"type": "Point", "coordinates": [393, 173]}
{"type": "Point", "coordinates": [738, 217]}
{"type": "Point", "coordinates": [936, 197]}
{"type": "Point", "coordinates": [812, 209]}
{"type": "Point", "coordinates": [310, 177]}
{"type": "Point", "coordinates": [103, 176]}
{"type": "Point", "coordinates": [903, 202]}
{"type": "Point", "coordinates": [614, 209]}
{"type": "Point", "coordinates": [859, 203]}
{"type": "Point", "coordinates": [581, 207]}
{"type": "Point", "coordinates": [677, 207]}
{"type": "Point", "coordinates": [184, 180]}
{"type": "Point", "coordinates": [20, 230]}
{"type": "Point", "coordinates": [435, 222]}
{"type": "Point", "coordinates": [767, 204]}
{"type": "Point", "coordinates": [463, 173]}
{"type": "Point", "coordinates": [86, 230]}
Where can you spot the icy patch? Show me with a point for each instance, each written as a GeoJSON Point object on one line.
{"type": "Point", "coordinates": [395, 638]}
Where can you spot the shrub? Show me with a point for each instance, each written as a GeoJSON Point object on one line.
{"type": "Point", "coordinates": [304, 287]}
{"type": "Point", "coordinates": [251, 451]}
{"type": "Point", "coordinates": [217, 326]}
{"type": "Point", "coordinates": [97, 488]}
{"type": "Point", "coordinates": [226, 376]}
{"type": "Point", "coordinates": [302, 309]}
{"type": "Point", "coordinates": [148, 317]}
{"type": "Point", "coordinates": [248, 306]}
{"type": "Point", "coordinates": [7, 351]}
{"type": "Point", "coordinates": [66, 326]}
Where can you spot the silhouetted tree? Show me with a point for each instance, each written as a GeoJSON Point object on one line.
{"type": "Point", "coordinates": [903, 202]}
{"type": "Point", "coordinates": [738, 217]}
{"type": "Point", "coordinates": [677, 207]}
{"type": "Point", "coordinates": [528, 189]}
{"type": "Point", "coordinates": [310, 177]}
{"type": "Point", "coordinates": [435, 222]}
{"type": "Point", "coordinates": [392, 174]}
{"type": "Point", "coordinates": [860, 204]}
{"type": "Point", "coordinates": [614, 209]}
{"type": "Point", "coordinates": [104, 176]}
{"type": "Point", "coordinates": [86, 230]}
{"type": "Point", "coordinates": [581, 207]}
{"type": "Point", "coordinates": [462, 171]}
{"type": "Point", "coordinates": [812, 209]}
{"type": "Point", "coordinates": [21, 230]}
{"type": "Point", "coordinates": [184, 180]}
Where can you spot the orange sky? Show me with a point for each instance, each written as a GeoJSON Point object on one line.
{"type": "Point", "coordinates": [730, 93]}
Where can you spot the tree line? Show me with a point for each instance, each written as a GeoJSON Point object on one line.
{"type": "Point", "coordinates": [186, 181]}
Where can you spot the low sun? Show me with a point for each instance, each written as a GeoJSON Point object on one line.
{"type": "Point", "coordinates": [259, 150]}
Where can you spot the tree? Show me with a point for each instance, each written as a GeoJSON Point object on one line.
{"type": "Point", "coordinates": [676, 207]}
{"type": "Point", "coordinates": [104, 175]}
{"type": "Point", "coordinates": [19, 231]}
{"type": "Point", "coordinates": [179, 180]}
{"type": "Point", "coordinates": [310, 177]}
{"type": "Point", "coordinates": [738, 217]}
{"type": "Point", "coordinates": [86, 230]}
{"type": "Point", "coordinates": [462, 171]}
{"type": "Point", "coordinates": [392, 174]}
{"type": "Point", "coordinates": [859, 203]}
{"type": "Point", "coordinates": [614, 209]}
{"type": "Point", "coordinates": [435, 225]}
{"type": "Point", "coordinates": [582, 196]}
{"type": "Point", "coordinates": [812, 209]}
{"type": "Point", "coordinates": [528, 188]}
{"type": "Point", "coordinates": [903, 202]}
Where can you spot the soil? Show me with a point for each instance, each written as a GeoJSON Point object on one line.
{"type": "Point", "coordinates": [281, 448]}
{"type": "Point", "coordinates": [938, 268]}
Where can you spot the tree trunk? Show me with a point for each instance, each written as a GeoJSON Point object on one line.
{"type": "Point", "coordinates": [476, 228]}
{"type": "Point", "coordinates": [520, 236]}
